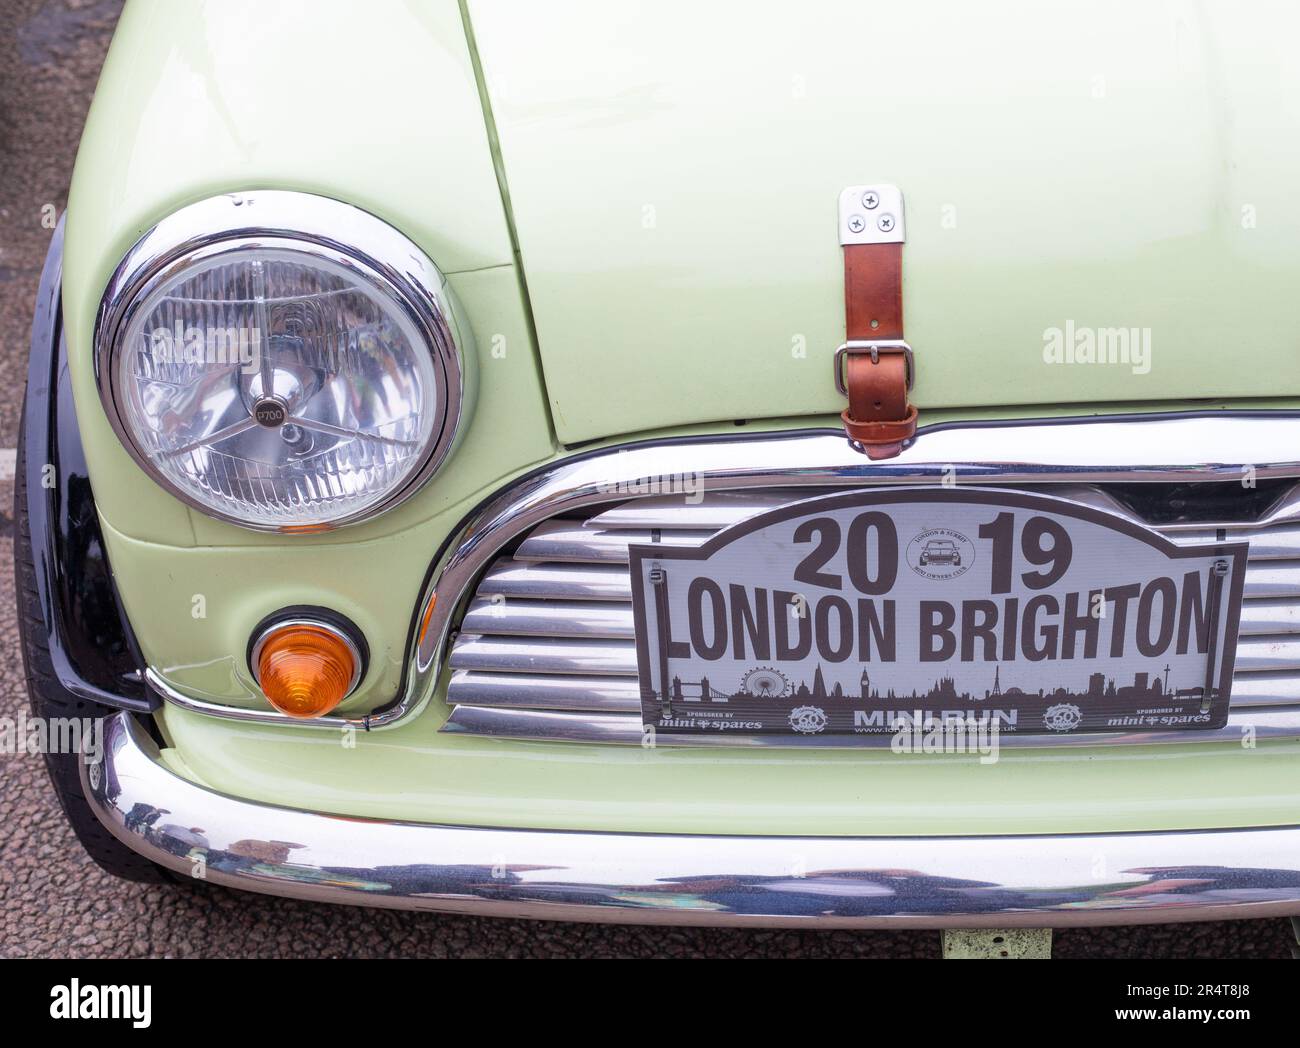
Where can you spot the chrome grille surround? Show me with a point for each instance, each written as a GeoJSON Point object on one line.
{"type": "Point", "coordinates": [544, 649]}
{"type": "Point", "coordinates": [1132, 448]}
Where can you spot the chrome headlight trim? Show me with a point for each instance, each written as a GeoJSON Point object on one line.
{"type": "Point", "coordinates": [323, 229]}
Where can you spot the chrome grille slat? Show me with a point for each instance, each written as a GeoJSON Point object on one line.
{"type": "Point", "coordinates": [708, 512]}
{"type": "Point", "coordinates": [511, 578]}
{"type": "Point", "coordinates": [501, 616]}
{"type": "Point", "coordinates": [1272, 578]}
{"type": "Point", "coordinates": [546, 646]}
{"type": "Point", "coordinates": [1280, 542]}
{"type": "Point", "coordinates": [547, 725]}
{"type": "Point", "coordinates": [1260, 616]}
{"type": "Point", "coordinates": [565, 543]}
{"type": "Point", "coordinates": [544, 655]}
{"type": "Point", "coordinates": [1267, 654]}
{"type": "Point", "coordinates": [514, 690]}
{"type": "Point", "coordinates": [1265, 689]}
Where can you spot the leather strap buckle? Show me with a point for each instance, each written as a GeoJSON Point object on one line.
{"type": "Point", "coordinates": [875, 347]}
{"type": "Point", "coordinates": [879, 419]}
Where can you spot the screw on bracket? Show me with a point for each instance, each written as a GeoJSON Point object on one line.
{"type": "Point", "coordinates": [872, 214]}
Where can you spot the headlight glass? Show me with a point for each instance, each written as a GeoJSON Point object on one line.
{"type": "Point", "coordinates": [280, 384]}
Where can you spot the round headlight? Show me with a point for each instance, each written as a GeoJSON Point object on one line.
{"type": "Point", "coordinates": [281, 361]}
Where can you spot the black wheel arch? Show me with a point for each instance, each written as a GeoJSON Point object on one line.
{"type": "Point", "coordinates": [92, 650]}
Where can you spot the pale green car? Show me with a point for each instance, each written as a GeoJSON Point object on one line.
{"type": "Point", "coordinates": [403, 359]}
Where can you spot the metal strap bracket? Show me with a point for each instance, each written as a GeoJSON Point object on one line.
{"type": "Point", "coordinates": [871, 215]}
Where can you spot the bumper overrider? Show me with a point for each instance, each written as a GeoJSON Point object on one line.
{"type": "Point", "coordinates": [1056, 881]}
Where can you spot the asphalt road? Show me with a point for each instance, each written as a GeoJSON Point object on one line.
{"type": "Point", "coordinates": [55, 903]}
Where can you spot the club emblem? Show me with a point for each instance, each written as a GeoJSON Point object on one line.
{"type": "Point", "coordinates": [940, 553]}
{"type": "Point", "coordinates": [1064, 716]}
{"type": "Point", "coordinates": [808, 720]}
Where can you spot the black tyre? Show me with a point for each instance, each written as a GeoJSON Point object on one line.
{"type": "Point", "coordinates": [50, 700]}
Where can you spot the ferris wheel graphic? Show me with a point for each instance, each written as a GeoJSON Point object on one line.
{"type": "Point", "coordinates": [765, 683]}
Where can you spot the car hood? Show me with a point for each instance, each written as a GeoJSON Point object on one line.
{"type": "Point", "coordinates": [673, 170]}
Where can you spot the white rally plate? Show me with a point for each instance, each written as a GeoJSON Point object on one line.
{"type": "Point", "coordinates": [849, 613]}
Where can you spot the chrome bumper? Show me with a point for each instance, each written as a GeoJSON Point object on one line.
{"type": "Point", "coordinates": [661, 879]}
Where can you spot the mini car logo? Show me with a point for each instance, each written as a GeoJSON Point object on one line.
{"type": "Point", "coordinates": [940, 553]}
{"type": "Point", "coordinates": [808, 720]}
{"type": "Point", "coordinates": [1064, 716]}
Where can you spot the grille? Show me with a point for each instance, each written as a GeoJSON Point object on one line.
{"type": "Point", "coordinates": [545, 648]}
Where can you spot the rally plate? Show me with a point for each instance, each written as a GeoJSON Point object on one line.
{"type": "Point", "coordinates": [853, 614]}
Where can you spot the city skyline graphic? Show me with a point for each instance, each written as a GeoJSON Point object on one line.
{"type": "Point", "coordinates": [1146, 685]}
{"type": "Point", "coordinates": [768, 701]}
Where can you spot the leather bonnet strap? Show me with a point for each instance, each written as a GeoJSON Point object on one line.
{"type": "Point", "coordinates": [876, 379]}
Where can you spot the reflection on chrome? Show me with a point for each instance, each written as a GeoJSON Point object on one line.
{"type": "Point", "coordinates": [641, 878]}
